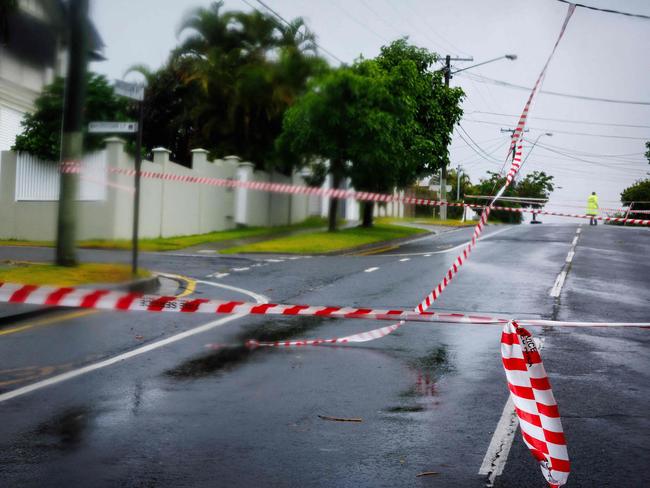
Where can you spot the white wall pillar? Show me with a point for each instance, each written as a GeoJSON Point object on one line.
{"type": "Point", "coordinates": [244, 174]}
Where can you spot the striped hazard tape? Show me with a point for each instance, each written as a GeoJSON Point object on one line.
{"type": "Point", "coordinates": [126, 301]}
{"type": "Point", "coordinates": [535, 405]}
{"type": "Point", "coordinates": [337, 193]}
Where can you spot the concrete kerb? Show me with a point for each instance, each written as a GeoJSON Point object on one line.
{"type": "Point", "coordinates": [10, 313]}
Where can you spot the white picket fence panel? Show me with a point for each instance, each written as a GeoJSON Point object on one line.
{"type": "Point", "coordinates": [38, 180]}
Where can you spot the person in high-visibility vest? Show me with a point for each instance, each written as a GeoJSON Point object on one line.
{"type": "Point", "coordinates": [592, 208]}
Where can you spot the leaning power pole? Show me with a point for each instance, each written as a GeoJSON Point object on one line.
{"type": "Point", "coordinates": [72, 137]}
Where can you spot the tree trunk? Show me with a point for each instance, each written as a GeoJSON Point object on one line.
{"type": "Point", "coordinates": [368, 209]}
{"type": "Point", "coordinates": [336, 170]}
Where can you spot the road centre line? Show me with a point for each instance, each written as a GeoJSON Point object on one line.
{"type": "Point", "coordinates": [559, 283]}
{"type": "Point", "coordinates": [561, 278]}
{"type": "Point", "coordinates": [138, 351]}
{"type": "Point", "coordinates": [370, 270]}
{"type": "Point", "coordinates": [404, 259]}
{"type": "Point", "coordinates": [497, 452]}
{"type": "Point", "coordinates": [48, 321]}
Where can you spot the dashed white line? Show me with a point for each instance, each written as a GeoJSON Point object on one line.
{"type": "Point", "coordinates": [370, 270]}
{"type": "Point", "coordinates": [218, 275]}
{"type": "Point", "coordinates": [404, 259]}
{"type": "Point", "coordinates": [274, 260]}
{"type": "Point", "coordinates": [241, 269]}
{"type": "Point", "coordinates": [427, 255]}
{"type": "Point", "coordinates": [559, 283]}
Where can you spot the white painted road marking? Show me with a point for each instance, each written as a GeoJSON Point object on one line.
{"type": "Point", "coordinates": [241, 269]}
{"type": "Point", "coordinates": [496, 455]}
{"type": "Point", "coordinates": [451, 249]}
{"type": "Point", "coordinates": [115, 359]}
{"type": "Point", "coordinates": [404, 259]}
{"type": "Point", "coordinates": [218, 275]}
{"type": "Point", "coordinates": [138, 351]}
{"type": "Point", "coordinates": [559, 281]}
{"type": "Point", "coordinates": [370, 270]}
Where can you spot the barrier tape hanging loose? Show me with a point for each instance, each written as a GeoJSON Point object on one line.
{"type": "Point", "coordinates": [117, 300]}
{"type": "Point", "coordinates": [535, 405]}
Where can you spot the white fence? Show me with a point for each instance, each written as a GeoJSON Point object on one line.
{"type": "Point", "coordinates": [38, 180]}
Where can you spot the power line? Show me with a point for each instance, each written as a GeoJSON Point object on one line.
{"type": "Point", "coordinates": [606, 10]}
{"type": "Point", "coordinates": [609, 136]}
{"type": "Point", "coordinates": [277, 15]}
{"type": "Point", "coordinates": [597, 155]}
{"type": "Point", "coordinates": [485, 79]}
{"type": "Point", "coordinates": [358, 22]}
{"type": "Point", "coordinates": [570, 121]}
{"type": "Point", "coordinates": [477, 145]}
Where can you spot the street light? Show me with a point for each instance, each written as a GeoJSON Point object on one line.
{"type": "Point", "coordinates": [510, 57]}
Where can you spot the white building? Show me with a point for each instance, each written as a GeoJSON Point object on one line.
{"type": "Point", "coordinates": [32, 53]}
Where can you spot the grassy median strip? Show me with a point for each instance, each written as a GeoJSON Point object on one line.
{"type": "Point", "coordinates": [48, 274]}
{"type": "Point", "coordinates": [322, 242]}
{"type": "Point", "coordinates": [180, 242]}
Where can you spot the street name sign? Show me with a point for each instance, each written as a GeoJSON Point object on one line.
{"type": "Point", "coordinates": [113, 127]}
{"type": "Point", "coordinates": [134, 91]}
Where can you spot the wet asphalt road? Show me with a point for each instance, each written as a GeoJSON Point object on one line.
{"type": "Point", "coordinates": [430, 396]}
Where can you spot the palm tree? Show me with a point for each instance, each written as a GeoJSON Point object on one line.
{"type": "Point", "coordinates": [250, 69]}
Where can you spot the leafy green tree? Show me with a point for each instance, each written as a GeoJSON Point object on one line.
{"type": "Point", "coordinates": [638, 192]}
{"type": "Point", "coordinates": [350, 117]}
{"type": "Point", "coordinates": [41, 135]}
{"type": "Point", "coordinates": [383, 122]}
{"type": "Point", "coordinates": [534, 185]}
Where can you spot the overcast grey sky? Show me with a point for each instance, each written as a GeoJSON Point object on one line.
{"type": "Point", "coordinates": [602, 55]}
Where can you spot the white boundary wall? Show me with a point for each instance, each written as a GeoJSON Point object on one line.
{"type": "Point", "coordinates": [29, 188]}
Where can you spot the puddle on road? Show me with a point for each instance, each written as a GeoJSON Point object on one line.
{"type": "Point", "coordinates": [227, 358]}
{"type": "Point", "coordinates": [65, 431]}
{"type": "Point", "coordinates": [426, 371]}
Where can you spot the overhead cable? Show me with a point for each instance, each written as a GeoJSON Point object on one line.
{"type": "Point", "coordinates": [569, 121]}
{"type": "Point", "coordinates": [606, 10]}
{"type": "Point", "coordinates": [277, 15]}
{"type": "Point", "coordinates": [485, 79]}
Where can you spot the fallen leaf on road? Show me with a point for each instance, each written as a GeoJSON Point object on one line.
{"type": "Point", "coordinates": [426, 473]}
{"type": "Point", "coordinates": [340, 419]}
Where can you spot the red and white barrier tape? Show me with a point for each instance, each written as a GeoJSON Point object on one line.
{"type": "Point", "coordinates": [535, 405]}
{"type": "Point", "coordinates": [339, 194]}
{"type": "Point", "coordinates": [118, 300]}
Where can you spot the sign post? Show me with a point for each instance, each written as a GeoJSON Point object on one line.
{"type": "Point", "coordinates": [134, 91]}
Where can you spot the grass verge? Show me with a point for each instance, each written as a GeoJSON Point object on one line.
{"type": "Point", "coordinates": [180, 242]}
{"type": "Point", "coordinates": [322, 242]}
{"type": "Point", "coordinates": [428, 221]}
{"type": "Point", "coordinates": [48, 274]}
